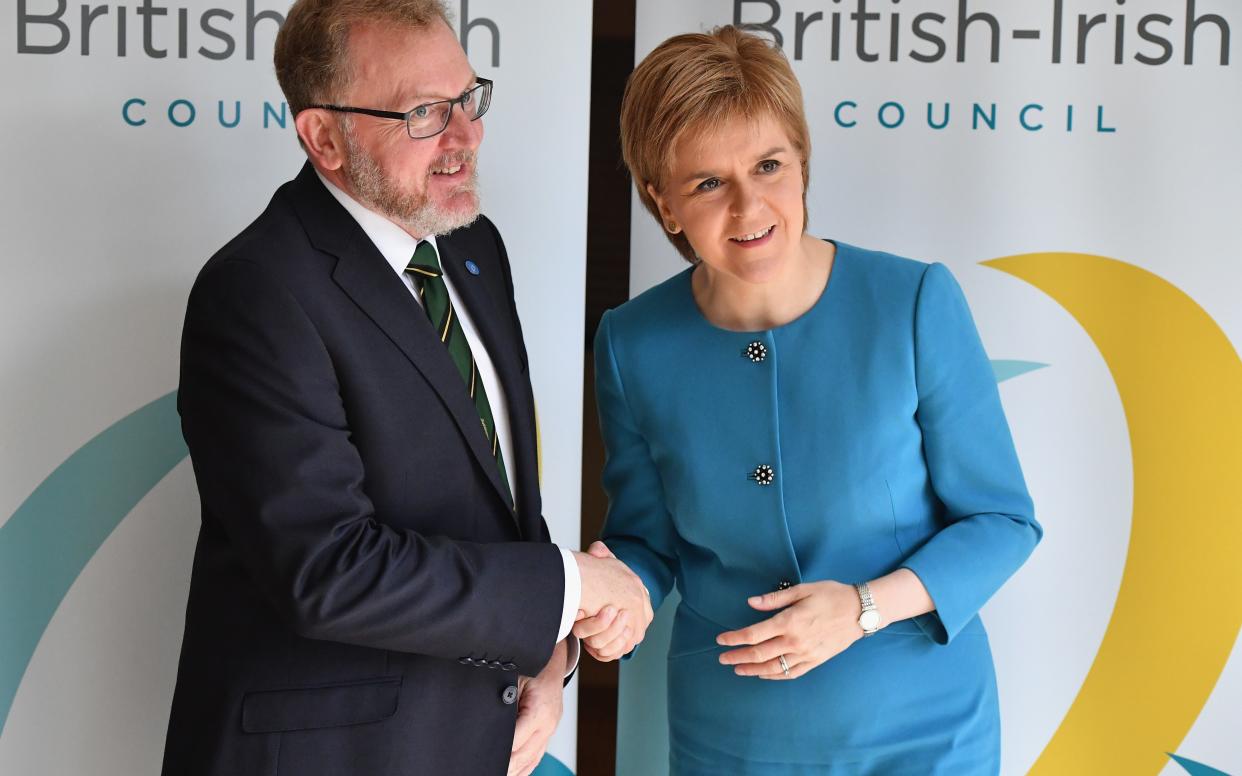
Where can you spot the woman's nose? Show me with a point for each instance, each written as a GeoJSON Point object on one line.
{"type": "Point", "coordinates": [745, 201]}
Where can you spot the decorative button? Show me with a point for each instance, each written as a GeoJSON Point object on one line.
{"type": "Point", "coordinates": [763, 474]}
{"type": "Point", "coordinates": [509, 696]}
{"type": "Point", "coordinates": [756, 351]}
{"type": "Point", "coordinates": [492, 663]}
{"type": "Point", "coordinates": [508, 666]}
{"type": "Point", "coordinates": [466, 661]}
{"type": "Point", "coordinates": [784, 584]}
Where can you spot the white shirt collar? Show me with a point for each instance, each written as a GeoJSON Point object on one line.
{"type": "Point", "coordinates": [393, 242]}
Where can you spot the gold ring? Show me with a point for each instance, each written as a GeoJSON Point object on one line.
{"type": "Point", "coordinates": [784, 665]}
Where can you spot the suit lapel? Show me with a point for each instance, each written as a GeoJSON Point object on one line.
{"type": "Point", "coordinates": [366, 277]}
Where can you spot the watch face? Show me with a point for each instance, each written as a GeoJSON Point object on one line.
{"type": "Point", "coordinates": [869, 621]}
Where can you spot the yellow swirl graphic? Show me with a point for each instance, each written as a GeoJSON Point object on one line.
{"type": "Point", "coordinates": [1179, 607]}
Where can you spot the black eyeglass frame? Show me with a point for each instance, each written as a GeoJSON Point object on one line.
{"type": "Point", "coordinates": [485, 102]}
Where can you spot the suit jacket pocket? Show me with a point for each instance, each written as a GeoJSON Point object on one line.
{"type": "Point", "coordinates": [307, 708]}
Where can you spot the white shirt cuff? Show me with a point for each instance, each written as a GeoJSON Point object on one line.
{"type": "Point", "coordinates": [573, 594]}
{"type": "Point", "coordinates": [573, 652]}
{"type": "Point", "coordinates": [569, 612]}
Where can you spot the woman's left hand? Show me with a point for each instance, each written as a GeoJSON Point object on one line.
{"type": "Point", "coordinates": [819, 620]}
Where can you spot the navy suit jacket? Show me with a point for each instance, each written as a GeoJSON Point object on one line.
{"type": "Point", "coordinates": [364, 593]}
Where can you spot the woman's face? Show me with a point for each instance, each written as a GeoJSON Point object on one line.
{"type": "Point", "coordinates": [737, 194]}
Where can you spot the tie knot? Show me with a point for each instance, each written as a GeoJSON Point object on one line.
{"type": "Point", "coordinates": [425, 262]}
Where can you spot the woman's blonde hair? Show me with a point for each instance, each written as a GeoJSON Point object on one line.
{"type": "Point", "coordinates": [695, 83]}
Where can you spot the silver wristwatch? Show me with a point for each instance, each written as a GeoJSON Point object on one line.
{"type": "Point", "coordinates": [869, 620]}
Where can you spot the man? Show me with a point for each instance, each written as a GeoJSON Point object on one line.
{"type": "Point", "coordinates": [373, 589]}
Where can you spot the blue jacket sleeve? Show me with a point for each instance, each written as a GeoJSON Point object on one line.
{"type": "Point", "coordinates": [638, 528]}
{"type": "Point", "coordinates": [989, 523]}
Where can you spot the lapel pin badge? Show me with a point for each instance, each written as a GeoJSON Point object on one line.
{"type": "Point", "coordinates": [471, 267]}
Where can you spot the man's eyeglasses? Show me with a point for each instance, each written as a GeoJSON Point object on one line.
{"type": "Point", "coordinates": [431, 118]}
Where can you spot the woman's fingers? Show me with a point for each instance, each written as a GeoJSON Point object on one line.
{"type": "Point", "coordinates": [753, 634]}
{"type": "Point", "coordinates": [617, 647]}
{"type": "Point", "coordinates": [767, 664]}
{"type": "Point", "coordinates": [749, 661]}
{"type": "Point", "coordinates": [769, 628]}
{"type": "Point", "coordinates": [767, 669]}
{"type": "Point", "coordinates": [777, 599]}
{"type": "Point", "coordinates": [591, 626]}
{"type": "Point", "coordinates": [620, 624]}
{"type": "Point", "coordinates": [796, 669]}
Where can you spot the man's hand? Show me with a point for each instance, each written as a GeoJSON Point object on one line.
{"type": "Point", "coordinates": [616, 609]}
{"type": "Point", "coordinates": [539, 711]}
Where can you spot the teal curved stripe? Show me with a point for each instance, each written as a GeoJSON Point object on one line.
{"type": "Point", "coordinates": [550, 766]}
{"type": "Point", "coordinates": [54, 533]}
{"type": "Point", "coordinates": [1007, 370]}
{"type": "Point", "coordinates": [1194, 768]}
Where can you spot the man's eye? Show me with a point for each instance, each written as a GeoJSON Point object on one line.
{"type": "Point", "coordinates": [711, 184]}
{"type": "Point", "coordinates": [421, 112]}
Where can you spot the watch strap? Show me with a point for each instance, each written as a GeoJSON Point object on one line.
{"type": "Point", "coordinates": [868, 605]}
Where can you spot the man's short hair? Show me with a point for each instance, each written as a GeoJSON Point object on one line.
{"type": "Point", "coordinates": [696, 83]}
{"type": "Point", "coordinates": [312, 48]}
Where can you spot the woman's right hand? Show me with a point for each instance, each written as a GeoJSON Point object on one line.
{"type": "Point", "coordinates": [611, 632]}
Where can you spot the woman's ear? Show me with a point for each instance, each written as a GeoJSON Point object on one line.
{"type": "Point", "coordinates": [666, 215]}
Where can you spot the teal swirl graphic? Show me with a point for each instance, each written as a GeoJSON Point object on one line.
{"type": "Point", "coordinates": [1194, 768]}
{"type": "Point", "coordinates": [54, 533]}
{"type": "Point", "coordinates": [550, 766]}
{"type": "Point", "coordinates": [1007, 370]}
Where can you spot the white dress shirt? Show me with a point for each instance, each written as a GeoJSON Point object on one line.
{"type": "Point", "coordinates": [397, 247]}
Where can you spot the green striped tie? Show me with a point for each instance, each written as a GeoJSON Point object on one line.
{"type": "Point", "coordinates": [428, 279]}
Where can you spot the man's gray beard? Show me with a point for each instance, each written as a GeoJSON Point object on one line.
{"type": "Point", "coordinates": [414, 212]}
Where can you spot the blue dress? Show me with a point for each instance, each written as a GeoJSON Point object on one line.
{"type": "Point", "coordinates": [878, 416]}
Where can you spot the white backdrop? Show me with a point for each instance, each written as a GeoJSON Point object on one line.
{"type": "Point", "coordinates": [109, 211]}
{"type": "Point", "coordinates": [1149, 175]}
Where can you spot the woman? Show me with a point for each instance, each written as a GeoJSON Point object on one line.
{"type": "Point", "coordinates": [805, 420]}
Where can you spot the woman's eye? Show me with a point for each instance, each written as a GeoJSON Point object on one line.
{"type": "Point", "coordinates": [770, 165]}
{"type": "Point", "coordinates": [711, 184]}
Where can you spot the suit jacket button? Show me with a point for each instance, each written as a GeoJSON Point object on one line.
{"type": "Point", "coordinates": [508, 666]}
{"type": "Point", "coordinates": [509, 696]}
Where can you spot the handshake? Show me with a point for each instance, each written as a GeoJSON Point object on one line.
{"type": "Point", "coordinates": [615, 609]}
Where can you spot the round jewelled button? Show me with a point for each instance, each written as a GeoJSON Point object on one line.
{"type": "Point", "coordinates": [756, 351]}
{"type": "Point", "coordinates": [763, 474]}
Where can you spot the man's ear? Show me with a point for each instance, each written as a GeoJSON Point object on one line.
{"type": "Point", "coordinates": [321, 136]}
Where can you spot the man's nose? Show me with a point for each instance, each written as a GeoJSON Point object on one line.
{"type": "Point", "coordinates": [461, 131]}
